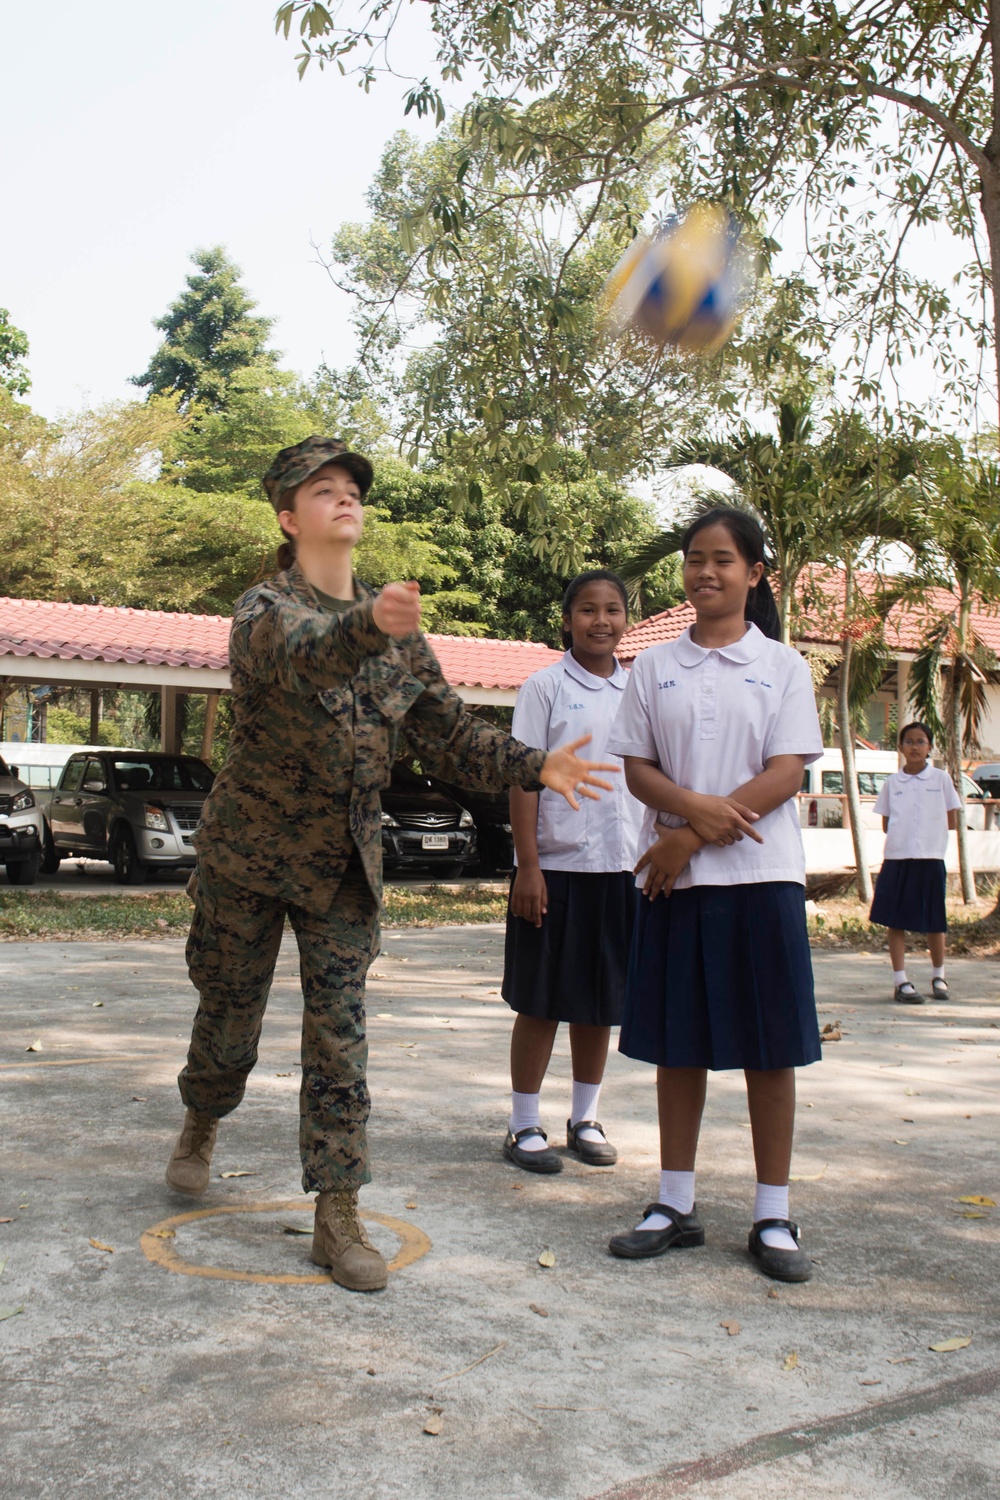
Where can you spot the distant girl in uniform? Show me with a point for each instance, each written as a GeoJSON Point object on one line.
{"type": "Point", "coordinates": [573, 897]}
{"type": "Point", "coordinates": [919, 805]}
{"type": "Point", "coordinates": [715, 729]}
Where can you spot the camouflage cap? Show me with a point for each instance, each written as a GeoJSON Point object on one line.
{"type": "Point", "coordinates": [294, 465]}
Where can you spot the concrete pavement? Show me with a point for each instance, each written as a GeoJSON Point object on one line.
{"type": "Point", "coordinates": [194, 1351]}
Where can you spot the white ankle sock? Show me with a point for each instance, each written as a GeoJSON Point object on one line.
{"type": "Point", "coordinates": [771, 1202]}
{"type": "Point", "coordinates": [676, 1191]}
{"type": "Point", "coordinates": [585, 1097]}
{"type": "Point", "coordinates": [524, 1112]}
{"type": "Point", "coordinates": [937, 973]}
{"type": "Point", "coordinates": [898, 977]}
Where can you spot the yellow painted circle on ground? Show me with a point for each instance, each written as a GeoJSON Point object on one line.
{"type": "Point", "coordinates": [157, 1245]}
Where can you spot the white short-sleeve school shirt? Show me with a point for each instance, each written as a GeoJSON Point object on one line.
{"type": "Point", "coordinates": [554, 706]}
{"type": "Point", "coordinates": [711, 720]}
{"type": "Point", "coordinates": [917, 808]}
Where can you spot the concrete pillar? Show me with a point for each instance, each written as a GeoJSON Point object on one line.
{"type": "Point", "coordinates": [95, 715]}
{"type": "Point", "coordinates": [208, 733]}
{"type": "Point", "coordinates": [168, 719]}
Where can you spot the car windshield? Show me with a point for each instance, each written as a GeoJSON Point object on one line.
{"type": "Point", "coordinates": [161, 773]}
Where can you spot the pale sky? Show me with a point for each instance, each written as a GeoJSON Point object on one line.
{"type": "Point", "coordinates": [134, 133]}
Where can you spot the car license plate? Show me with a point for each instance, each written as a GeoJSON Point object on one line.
{"type": "Point", "coordinates": [434, 841]}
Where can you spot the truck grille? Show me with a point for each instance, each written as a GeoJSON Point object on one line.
{"type": "Point", "coordinates": [186, 818]}
{"type": "Point", "coordinates": [432, 821]}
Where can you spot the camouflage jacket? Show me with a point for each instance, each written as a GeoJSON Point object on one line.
{"type": "Point", "coordinates": [320, 701]}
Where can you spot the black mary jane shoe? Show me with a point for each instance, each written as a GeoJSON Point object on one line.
{"type": "Point", "coordinates": [780, 1265]}
{"type": "Point", "coordinates": [683, 1232]}
{"type": "Point", "coordinates": [595, 1153]}
{"type": "Point", "coordinates": [907, 994]}
{"type": "Point", "coordinates": [545, 1160]}
{"type": "Point", "coordinates": [940, 990]}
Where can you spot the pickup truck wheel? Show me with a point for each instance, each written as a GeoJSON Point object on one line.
{"type": "Point", "coordinates": [51, 860]}
{"type": "Point", "coordinates": [25, 871]}
{"type": "Point", "coordinates": [129, 868]}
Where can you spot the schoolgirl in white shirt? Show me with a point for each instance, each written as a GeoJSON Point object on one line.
{"type": "Point", "coordinates": [919, 805]}
{"type": "Point", "coordinates": [716, 729]}
{"type": "Point", "coordinates": [573, 897]}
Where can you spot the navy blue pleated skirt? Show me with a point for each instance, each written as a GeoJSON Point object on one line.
{"type": "Point", "coordinates": [720, 976]}
{"type": "Point", "coordinates": [572, 968]}
{"type": "Point", "coordinates": [909, 895]}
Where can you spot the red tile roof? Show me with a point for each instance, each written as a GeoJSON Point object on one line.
{"type": "Point", "coordinates": [152, 637]}
{"type": "Point", "coordinates": [469, 661]}
{"type": "Point", "coordinates": [821, 606]}
{"type": "Point", "coordinates": [94, 632]}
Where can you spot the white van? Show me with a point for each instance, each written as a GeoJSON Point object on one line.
{"type": "Point", "coordinates": [821, 794]}
{"type": "Point", "coordinates": [821, 803]}
{"type": "Point", "coordinates": [40, 764]}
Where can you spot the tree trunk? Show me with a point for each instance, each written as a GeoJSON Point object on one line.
{"type": "Point", "coordinates": [847, 749]}
{"type": "Point", "coordinates": [956, 738]}
{"type": "Point", "coordinates": [989, 199]}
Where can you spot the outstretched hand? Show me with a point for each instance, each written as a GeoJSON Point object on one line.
{"type": "Point", "coordinates": [564, 772]}
{"type": "Point", "coordinates": [397, 609]}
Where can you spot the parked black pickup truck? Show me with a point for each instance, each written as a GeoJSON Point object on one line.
{"type": "Point", "coordinates": [135, 808]}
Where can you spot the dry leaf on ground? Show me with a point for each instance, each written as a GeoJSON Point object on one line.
{"type": "Point", "coordinates": [411, 1204]}
{"type": "Point", "coordinates": [808, 1176]}
{"type": "Point", "coordinates": [541, 1311]}
{"type": "Point", "coordinates": [98, 1245]}
{"type": "Point", "coordinates": [791, 1361]}
{"type": "Point", "coordinates": [36, 1046]}
{"type": "Point", "coordinates": [164, 1234]}
{"type": "Point", "coordinates": [547, 1258]}
{"type": "Point", "coordinates": [979, 1199]}
{"type": "Point", "coordinates": [296, 1229]}
{"type": "Point", "coordinates": [946, 1346]}
{"type": "Point", "coordinates": [831, 1032]}
{"type": "Point", "coordinates": [239, 1174]}
{"type": "Point", "coordinates": [9, 1312]}
{"type": "Point", "coordinates": [434, 1424]}
{"type": "Point", "coordinates": [773, 1293]}
{"type": "Point", "coordinates": [731, 1326]}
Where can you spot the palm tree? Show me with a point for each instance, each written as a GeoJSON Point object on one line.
{"type": "Point", "coordinates": [778, 479]}
{"type": "Point", "coordinates": [949, 677]}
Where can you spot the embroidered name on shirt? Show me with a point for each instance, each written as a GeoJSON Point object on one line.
{"type": "Point", "coordinates": [574, 705]}
{"type": "Point", "coordinates": [669, 683]}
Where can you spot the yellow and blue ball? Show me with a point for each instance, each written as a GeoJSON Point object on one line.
{"type": "Point", "coordinates": [681, 287]}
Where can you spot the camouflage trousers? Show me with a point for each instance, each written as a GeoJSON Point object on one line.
{"type": "Point", "coordinates": [231, 953]}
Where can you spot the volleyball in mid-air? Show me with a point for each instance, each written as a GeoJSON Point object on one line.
{"type": "Point", "coordinates": [683, 285]}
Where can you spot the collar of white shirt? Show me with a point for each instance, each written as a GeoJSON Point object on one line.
{"type": "Point", "coordinates": [920, 776]}
{"type": "Point", "coordinates": [747, 649]}
{"type": "Point", "coordinates": [618, 678]}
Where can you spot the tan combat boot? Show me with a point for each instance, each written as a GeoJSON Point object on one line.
{"type": "Point", "coordinates": [188, 1169]}
{"type": "Point", "coordinates": [340, 1244]}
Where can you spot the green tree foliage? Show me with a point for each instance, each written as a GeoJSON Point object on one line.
{"type": "Point", "coordinates": [488, 342]}
{"type": "Point", "coordinates": [211, 334]}
{"type": "Point", "coordinates": [14, 375]}
{"type": "Point", "coordinates": [860, 120]}
{"type": "Point", "coordinates": [505, 558]}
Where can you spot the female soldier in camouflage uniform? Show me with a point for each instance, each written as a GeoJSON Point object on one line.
{"type": "Point", "coordinates": [326, 676]}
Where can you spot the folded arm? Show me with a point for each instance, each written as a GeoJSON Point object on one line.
{"type": "Point", "coordinates": [664, 860]}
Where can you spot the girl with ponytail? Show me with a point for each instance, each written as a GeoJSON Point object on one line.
{"type": "Point", "coordinates": [715, 729]}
